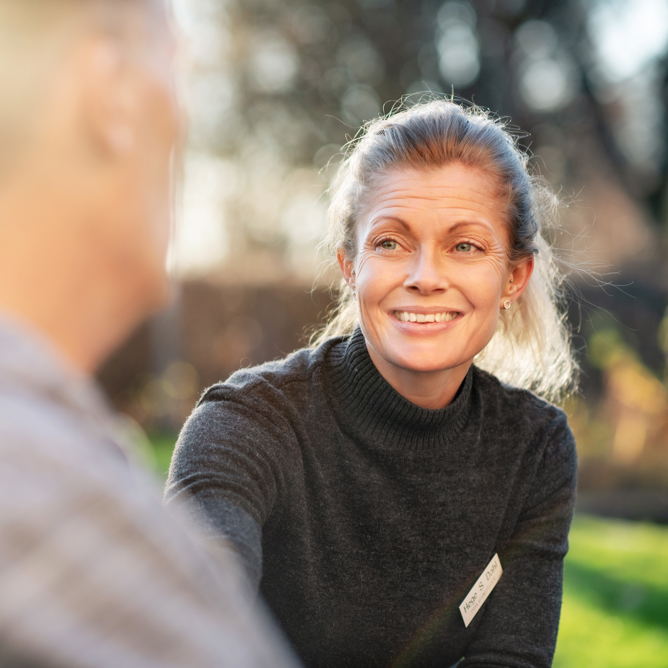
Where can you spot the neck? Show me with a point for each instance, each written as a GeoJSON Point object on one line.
{"type": "Point", "coordinates": [427, 389]}
{"type": "Point", "coordinates": [53, 282]}
{"type": "Point", "coordinates": [83, 318]}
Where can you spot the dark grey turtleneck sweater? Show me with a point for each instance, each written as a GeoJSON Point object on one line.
{"type": "Point", "coordinates": [367, 519]}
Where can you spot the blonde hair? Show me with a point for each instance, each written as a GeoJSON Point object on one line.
{"type": "Point", "coordinates": [531, 346]}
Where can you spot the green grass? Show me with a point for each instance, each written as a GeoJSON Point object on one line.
{"type": "Point", "coordinates": [615, 612]}
{"type": "Point", "coordinates": [163, 446]}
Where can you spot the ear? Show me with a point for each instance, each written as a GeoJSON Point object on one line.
{"type": "Point", "coordinates": [347, 269]}
{"type": "Point", "coordinates": [109, 96]}
{"type": "Point", "coordinates": [518, 279]}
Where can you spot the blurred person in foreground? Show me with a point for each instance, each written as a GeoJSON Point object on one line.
{"type": "Point", "coordinates": [93, 571]}
{"type": "Point", "coordinates": [399, 494]}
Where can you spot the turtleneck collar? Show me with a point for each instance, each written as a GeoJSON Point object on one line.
{"type": "Point", "coordinates": [377, 412]}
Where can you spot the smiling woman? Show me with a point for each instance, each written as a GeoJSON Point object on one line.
{"type": "Point", "coordinates": [530, 347]}
{"type": "Point", "coordinates": [396, 504]}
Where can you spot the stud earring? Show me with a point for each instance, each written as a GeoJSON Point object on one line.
{"type": "Point", "coordinates": [512, 280]}
{"type": "Point", "coordinates": [507, 304]}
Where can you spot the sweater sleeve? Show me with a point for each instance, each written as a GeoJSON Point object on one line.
{"type": "Point", "coordinates": [521, 618]}
{"type": "Point", "coordinates": [229, 466]}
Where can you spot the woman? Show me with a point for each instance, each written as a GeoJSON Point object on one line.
{"type": "Point", "coordinates": [368, 483]}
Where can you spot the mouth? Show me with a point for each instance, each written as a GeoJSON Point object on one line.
{"type": "Point", "coordinates": [410, 316]}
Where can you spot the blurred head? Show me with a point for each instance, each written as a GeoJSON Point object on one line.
{"type": "Point", "coordinates": [88, 124]}
{"type": "Point", "coordinates": [451, 191]}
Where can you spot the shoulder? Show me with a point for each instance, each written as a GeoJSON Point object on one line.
{"type": "Point", "coordinates": [296, 374]}
{"type": "Point", "coordinates": [517, 404]}
{"type": "Point", "coordinates": [248, 433]}
{"type": "Point", "coordinates": [525, 417]}
{"type": "Point", "coordinates": [269, 403]}
{"type": "Point", "coordinates": [38, 432]}
{"type": "Point", "coordinates": [53, 462]}
{"type": "Point", "coordinates": [535, 435]}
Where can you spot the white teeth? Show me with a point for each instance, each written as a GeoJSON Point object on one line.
{"type": "Point", "coordinates": [407, 316]}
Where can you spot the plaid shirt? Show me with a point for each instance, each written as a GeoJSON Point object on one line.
{"type": "Point", "coordinates": [93, 570]}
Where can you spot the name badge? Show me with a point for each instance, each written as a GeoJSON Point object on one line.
{"type": "Point", "coordinates": [481, 590]}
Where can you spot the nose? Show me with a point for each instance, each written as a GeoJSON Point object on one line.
{"type": "Point", "coordinates": [427, 274]}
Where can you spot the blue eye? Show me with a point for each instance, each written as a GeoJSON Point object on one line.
{"type": "Point", "coordinates": [464, 247]}
{"type": "Point", "coordinates": [388, 244]}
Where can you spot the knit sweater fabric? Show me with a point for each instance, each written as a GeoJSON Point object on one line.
{"type": "Point", "coordinates": [366, 519]}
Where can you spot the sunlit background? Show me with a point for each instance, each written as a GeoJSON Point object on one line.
{"type": "Point", "coordinates": [276, 87]}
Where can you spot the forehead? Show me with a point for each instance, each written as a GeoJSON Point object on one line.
{"type": "Point", "coordinates": [454, 190]}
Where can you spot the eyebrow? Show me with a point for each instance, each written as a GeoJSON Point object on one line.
{"type": "Point", "coordinates": [462, 223]}
{"type": "Point", "coordinates": [397, 219]}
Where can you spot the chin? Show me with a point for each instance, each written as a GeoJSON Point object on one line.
{"type": "Point", "coordinates": [427, 366]}
{"type": "Point", "coordinates": [423, 361]}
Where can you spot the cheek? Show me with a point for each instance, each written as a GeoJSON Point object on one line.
{"type": "Point", "coordinates": [486, 282]}
{"type": "Point", "coordinates": [491, 289]}
{"type": "Point", "coordinates": [161, 124]}
{"type": "Point", "coordinates": [375, 278]}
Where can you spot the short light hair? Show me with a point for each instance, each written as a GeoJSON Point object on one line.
{"type": "Point", "coordinates": [531, 347]}
{"type": "Point", "coordinates": [33, 35]}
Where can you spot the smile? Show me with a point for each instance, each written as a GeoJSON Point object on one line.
{"type": "Point", "coordinates": [407, 316]}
